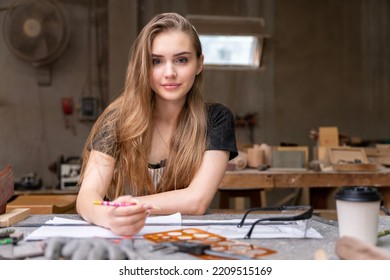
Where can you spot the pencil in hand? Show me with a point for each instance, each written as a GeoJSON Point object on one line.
{"type": "Point", "coordinates": [120, 204]}
{"type": "Point", "coordinates": [115, 204]}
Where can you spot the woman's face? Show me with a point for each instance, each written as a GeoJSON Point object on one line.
{"type": "Point", "coordinates": [174, 65]}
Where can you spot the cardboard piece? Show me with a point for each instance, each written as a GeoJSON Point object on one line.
{"type": "Point", "coordinates": [328, 137]}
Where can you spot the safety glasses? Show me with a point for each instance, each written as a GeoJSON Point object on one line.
{"type": "Point", "coordinates": [286, 215]}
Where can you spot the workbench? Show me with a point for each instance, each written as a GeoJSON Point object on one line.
{"type": "Point", "coordinates": [317, 184]}
{"type": "Point", "coordinates": [286, 248]}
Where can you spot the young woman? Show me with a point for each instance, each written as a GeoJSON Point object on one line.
{"type": "Point", "coordinates": [158, 146]}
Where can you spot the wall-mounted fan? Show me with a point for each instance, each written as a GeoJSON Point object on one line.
{"type": "Point", "coordinates": [36, 31]}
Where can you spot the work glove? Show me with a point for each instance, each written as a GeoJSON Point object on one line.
{"type": "Point", "coordinates": [88, 249]}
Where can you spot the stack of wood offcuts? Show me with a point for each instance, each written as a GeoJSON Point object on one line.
{"type": "Point", "coordinates": [6, 192]}
{"type": "Point", "coordinates": [332, 156]}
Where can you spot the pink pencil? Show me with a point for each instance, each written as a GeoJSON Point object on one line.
{"type": "Point", "coordinates": [109, 203]}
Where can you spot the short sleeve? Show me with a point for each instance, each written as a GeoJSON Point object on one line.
{"type": "Point", "coordinates": [105, 140]}
{"type": "Point", "coordinates": [221, 133]}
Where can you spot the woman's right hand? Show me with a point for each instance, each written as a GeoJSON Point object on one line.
{"type": "Point", "coordinates": [127, 220]}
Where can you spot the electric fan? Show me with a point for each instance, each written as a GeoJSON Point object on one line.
{"type": "Point", "coordinates": [36, 31]}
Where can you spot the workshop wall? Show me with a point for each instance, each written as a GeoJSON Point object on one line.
{"type": "Point", "coordinates": [325, 63]}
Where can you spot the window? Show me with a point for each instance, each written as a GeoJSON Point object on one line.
{"type": "Point", "coordinates": [232, 50]}
{"type": "Point", "coordinates": [231, 42]}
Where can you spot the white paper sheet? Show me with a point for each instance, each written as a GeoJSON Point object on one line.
{"type": "Point", "coordinates": [227, 228]}
{"type": "Point", "coordinates": [60, 227]}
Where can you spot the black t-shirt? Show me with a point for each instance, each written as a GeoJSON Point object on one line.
{"type": "Point", "coordinates": [221, 135]}
{"type": "Point", "coordinates": [220, 132]}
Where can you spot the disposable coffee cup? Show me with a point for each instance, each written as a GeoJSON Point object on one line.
{"type": "Point", "coordinates": [358, 213]}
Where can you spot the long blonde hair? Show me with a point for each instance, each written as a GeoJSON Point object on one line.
{"type": "Point", "coordinates": [129, 119]}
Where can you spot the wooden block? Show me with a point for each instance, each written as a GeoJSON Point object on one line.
{"type": "Point", "coordinates": [45, 204]}
{"type": "Point", "coordinates": [383, 146]}
{"type": "Point", "coordinates": [379, 155]}
{"type": "Point", "coordinates": [6, 187]}
{"type": "Point", "coordinates": [321, 154]}
{"type": "Point", "coordinates": [328, 137]}
{"type": "Point", "coordinates": [14, 216]}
